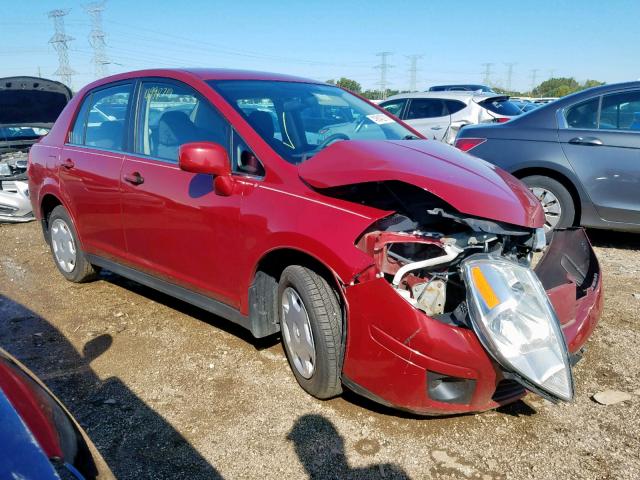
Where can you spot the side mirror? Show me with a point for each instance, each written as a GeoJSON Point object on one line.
{"type": "Point", "coordinates": [208, 158]}
{"type": "Point", "coordinates": [204, 157]}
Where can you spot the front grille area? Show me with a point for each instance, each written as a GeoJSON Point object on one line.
{"type": "Point", "coordinates": [506, 390]}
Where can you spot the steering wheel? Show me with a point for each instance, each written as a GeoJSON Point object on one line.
{"type": "Point", "coordinates": [338, 137]}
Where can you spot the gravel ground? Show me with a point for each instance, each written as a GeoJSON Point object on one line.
{"type": "Point", "coordinates": [168, 391]}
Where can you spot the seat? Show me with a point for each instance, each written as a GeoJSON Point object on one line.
{"type": "Point", "coordinates": [262, 122]}
{"type": "Point", "coordinates": [636, 122]}
{"type": "Point", "coordinates": [108, 134]}
{"type": "Point", "coordinates": [174, 129]}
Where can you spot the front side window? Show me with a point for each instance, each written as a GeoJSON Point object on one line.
{"type": "Point", "coordinates": [426, 108]}
{"type": "Point", "coordinates": [243, 159]}
{"type": "Point", "coordinates": [104, 123]}
{"type": "Point", "coordinates": [300, 119]}
{"type": "Point", "coordinates": [620, 111]}
{"type": "Point", "coordinates": [394, 107]}
{"type": "Point", "coordinates": [170, 115]}
{"type": "Point", "coordinates": [583, 115]}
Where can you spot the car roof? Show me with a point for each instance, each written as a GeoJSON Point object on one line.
{"type": "Point", "coordinates": [450, 95]}
{"type": "Point", "coordinates": [202, 74]}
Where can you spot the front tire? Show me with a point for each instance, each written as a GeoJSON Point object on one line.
{"type": "Point", "coordinates": [559, 209]}
{"type": "Point", "coordinates": [65, 248]}
{"type": "Point", "coordinates": [311, 328]}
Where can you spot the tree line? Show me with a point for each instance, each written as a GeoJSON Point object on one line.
{"type": "Point", "coordinates": [554, 87]}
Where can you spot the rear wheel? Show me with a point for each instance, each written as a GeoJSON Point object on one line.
{"type": "Point", "coordinates": [311, 328]}
{"type": "Point", "coordinates": [557, 203]}
{"type": "Point", "coordinates": [65, 247]}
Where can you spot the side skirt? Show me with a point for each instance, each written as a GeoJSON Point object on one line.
{"type": "Point", "coordinates": [197, 299]}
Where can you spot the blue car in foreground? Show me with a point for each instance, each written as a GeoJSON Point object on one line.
{"type": "Point", "coordinates": [39, 440]}
{"type": "Point", "coordinates": [580, 155]}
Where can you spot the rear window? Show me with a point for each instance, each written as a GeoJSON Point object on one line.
{"type": "Point", "coordinates": [501, 106]}
{"type": "Point", "coordinates": [426, 108]}
{"type": "Point", "coordinates": [454, 106]}
{"type": "Point", "coordinates": [101, 119]}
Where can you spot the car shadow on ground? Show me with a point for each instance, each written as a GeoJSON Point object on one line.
{"type": "Point", "coordinates": [613, 239]}
{"type": "Point", "coordinates": [320, 449]}
{"type": "Point", "coordinates": [135, 441]}
{"type": "Point", "coordinates": [190, 310]}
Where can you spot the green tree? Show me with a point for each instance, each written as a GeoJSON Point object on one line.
{"type": "Point", "coordinates": [559, 87]}
{"type": "Point", "coordinates": [347, 83]}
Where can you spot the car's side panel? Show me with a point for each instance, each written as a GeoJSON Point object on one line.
{"type": "Point", "coordinates": [177, 227]}
{"type": "Point", "coordinates": [90, 182]}
{"type": "Point", "coordinates": [609, 172]}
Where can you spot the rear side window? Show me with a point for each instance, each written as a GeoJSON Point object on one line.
{"type": "Point", "coordinates": [105, 117]}
{"type": "Point", "coordinates": [426, 108]}
{"type": "Point", "coordinates": [501, 106]}
{"type": "Point", "coordinates": [620, 111]}
{"type": "Point", "coordinates": [394, 107]}
{"type": "Point", "coordinates": [583, 115]}
{"type": "Point", "coordinates": [454, 106]}
{"type": "Point", "coordinates": [76, 135]}
{"type": "Point", "coordinates": [170, 115]}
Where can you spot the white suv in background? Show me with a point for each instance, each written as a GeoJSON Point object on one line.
{"type": "Point", "coordinates": [439, 115]}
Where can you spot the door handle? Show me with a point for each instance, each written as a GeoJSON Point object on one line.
{"type": "Point", "coordinates": [436, 128]}
{"type": "Point", "coordinates": [68, 164]}
{"type": "Point", "coordinates": [593, 141]}
{"type": "Point", "coordinates": [134, 178]}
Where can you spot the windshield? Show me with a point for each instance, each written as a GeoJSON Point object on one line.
{"type": "Point", "coordinates": [22, 133]}
{"type": "Point", "coordinates": [300, 119]}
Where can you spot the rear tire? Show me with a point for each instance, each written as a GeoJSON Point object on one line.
{"type": "Point", "coordinates": [65, 248]}
{"type": "Point", "coordinates": [559, 209]}
{"type": "Point", "coordinates": [311, 329]}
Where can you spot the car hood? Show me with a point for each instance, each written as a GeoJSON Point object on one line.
{"type": "Point", "coordinates": [470, 185]}
{"type": "Point", "coordinates": [31, 101]}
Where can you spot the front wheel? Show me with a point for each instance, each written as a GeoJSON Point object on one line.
{"type": "Point", "coordinates": [65, 247]}
{"type": "Point", "coordinates": [557, 203]}
{"type": "Point", "coordinates": [311, 328]}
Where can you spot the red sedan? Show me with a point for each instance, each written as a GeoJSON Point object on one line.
{"type": "Point", "coordinates": [395, 266]}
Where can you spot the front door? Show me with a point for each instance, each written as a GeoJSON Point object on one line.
{"type": "Point", "coordinates": [175, 225]}
{"type": "Point", "coordinates": [602, 143]}
{"type": "Point", "coordinates": [89, 169]}
{"type": "Point", "coordinates": [429, 116]}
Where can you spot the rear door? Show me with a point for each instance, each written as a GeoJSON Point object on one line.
{"type": "Point", "coordinates": [89, 168]}
{"type": "Point", "coordinates": [429, 116]}
{"type": "Point", "coordinates": [176, 227]}
{"type": "Point", "coordinates": [601, 139]}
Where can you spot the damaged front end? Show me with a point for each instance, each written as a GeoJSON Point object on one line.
{"type": "Point", "coordinates": [15, 205]}
{"type": "Point", "coordinates": [460, 320]}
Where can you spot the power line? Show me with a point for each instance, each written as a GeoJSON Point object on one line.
{"type": "Point", "coordinates": [60, 42]}
{"type": "Point", "coordinates": [552, 72]}
{"type": "Point", "coordinates": [509, 74]}
{"type": "Point", "coordinates": [413, 71]}
{"type": "Point", "coordinates": [96, 38]}
{"type": "Point", "coordinates": [487, 73]}
{"type": "Point", "coordinates": [534, 76]}
{"type": "Point", "coordinates": [384, 70]}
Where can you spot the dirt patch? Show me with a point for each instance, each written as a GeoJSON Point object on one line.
{"type": "Point", "coordinates": [169, 391]}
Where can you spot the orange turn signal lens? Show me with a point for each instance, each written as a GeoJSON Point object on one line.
{"type": "Point", "coordinates": [484, 289]}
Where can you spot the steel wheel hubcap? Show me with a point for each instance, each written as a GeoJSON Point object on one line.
{"type": "Point", "coordinates": [296, 332]}
{"type": "Point", "coordinates": [550, 205]}
{"type": "Point", "coordinates": [64, 248]}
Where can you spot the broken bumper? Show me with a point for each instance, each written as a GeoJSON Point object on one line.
{"type": "Point", "coordinates": [398, 356]}
{"type": "Point", "coordinates": [15, 206]}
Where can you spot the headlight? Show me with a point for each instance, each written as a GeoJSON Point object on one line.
{"type": "Point", "coordinates": [513, 318]}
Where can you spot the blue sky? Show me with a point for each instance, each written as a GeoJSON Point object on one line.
{"type": "Point", "coordinates": [328, 39]}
